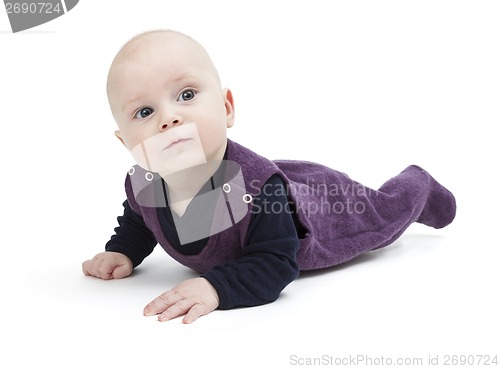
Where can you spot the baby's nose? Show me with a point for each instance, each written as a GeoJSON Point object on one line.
{"type": "Point", "coordinates": [167, 124]}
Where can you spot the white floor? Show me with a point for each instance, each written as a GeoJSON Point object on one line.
{"type": "Point", "coordinates": [431, 293]}
{"type": "Point", "coordinates": [365, 88]}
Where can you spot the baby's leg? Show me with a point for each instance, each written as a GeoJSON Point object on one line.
{"type": "Point", "coordinates": [414, 196]}
{"type": "Point", "coordinates": [359, 219]}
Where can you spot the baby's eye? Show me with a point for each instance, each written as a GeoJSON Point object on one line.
{"type": "Point", "coordinates": [143, 113]}
{"type": "Point", "coordinates": [187, 95]}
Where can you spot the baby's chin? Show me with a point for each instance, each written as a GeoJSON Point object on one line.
{"type": "Point", "coordinates": [171, 151]}
{"type": "Point", "coordinates": [178, 160]}
{"type": "Point", "coordinates": [178, 157]}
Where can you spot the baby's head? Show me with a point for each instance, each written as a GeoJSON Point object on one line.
{"type": "Point", "coordinates": [166, 97]}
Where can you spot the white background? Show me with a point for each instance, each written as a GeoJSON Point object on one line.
{"type": "Point", "coordinates": [367, 87]}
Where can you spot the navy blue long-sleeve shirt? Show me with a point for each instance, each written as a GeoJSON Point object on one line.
{"type": "Point", "coordinates": [266, 266]}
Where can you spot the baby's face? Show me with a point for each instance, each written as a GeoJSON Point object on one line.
{"type": "Point", "coordinates": [166, 98]}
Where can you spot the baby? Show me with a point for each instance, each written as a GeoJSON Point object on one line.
{"type": "Point", "coordinates": [249, 225]}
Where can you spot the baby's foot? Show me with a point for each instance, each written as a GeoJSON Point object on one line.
{"type": "Point", "coordinates": [440, 207]}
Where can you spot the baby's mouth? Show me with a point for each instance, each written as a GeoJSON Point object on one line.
{"type": "Point", "coordinates": [176, 142]}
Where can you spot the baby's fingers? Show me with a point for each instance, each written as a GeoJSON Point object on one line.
{"type": "Point", "coordinates": [161, 303]}
{"type": "Point", "coordinates": [195, 312]}
{"type": "Point", "coordinates": [99, 268]}
{"type": "Point", "coordinates": [91, 267]}
{"type": "Point", "coordinates": [177, 309]}
{"type": "Point", "coordinates": [86, 267]}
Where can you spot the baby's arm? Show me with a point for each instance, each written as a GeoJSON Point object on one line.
{"type": "Point", "coordinates": [266, 267]}
{"type": "Point", "coordinates": [126, 249]}
{"type": "Point", "coordinates": [269, 260]}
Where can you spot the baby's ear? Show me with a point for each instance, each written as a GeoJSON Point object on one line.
{"type": "Point", "coordinates": [229, 104]}
{"type": "Point", "coordinates": [118, 136]}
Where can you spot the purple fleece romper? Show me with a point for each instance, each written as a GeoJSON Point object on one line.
{"type": "Point", "coordinates": [341, 217]}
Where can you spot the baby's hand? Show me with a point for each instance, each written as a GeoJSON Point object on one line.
{"type": "Point", "coordinates": [193, 297]}
{"type": "Point", "coordinates": [108, 265]}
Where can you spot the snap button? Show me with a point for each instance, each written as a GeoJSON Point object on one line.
{"type": "Point", "coordinates": [226, 187]}
{"type": "Point", "coordinates": [131, 171]}
{"type": "Point", "coordinates": [247, 198]}
{"type": "Point", "coordinates": [149, 176]}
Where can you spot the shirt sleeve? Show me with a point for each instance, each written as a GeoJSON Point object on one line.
{"type": "Point", "coordinates": [132, 238]}
{"type": "Point", "coordinates": [268, 263]}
